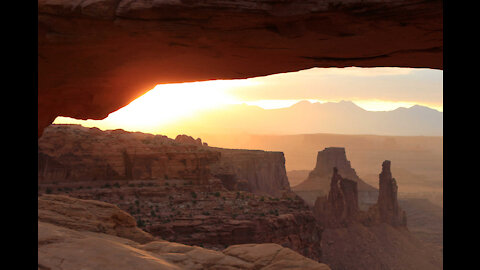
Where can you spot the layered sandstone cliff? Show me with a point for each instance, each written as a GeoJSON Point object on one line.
{"type": "Point", "coordinates": [261, 172]}
{"type": "Point", "coordinates": [207, 215]}
{"type": "Point", "coordinates": [72, 232]}
{"type": "Point", "coordinates": [69, 153]}
{"type": "Point", "coordinates": [318, 182]}
{"type": "Point", "coordinates": [72, 153]}
{"type": "Point", "coordinates": [180, 189]}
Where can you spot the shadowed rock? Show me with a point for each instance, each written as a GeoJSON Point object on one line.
{"type": "Point", "coordinates": [72, 153]}
{"type": "Point", "coordinates": [388, 209]}
{"type": "Point", "coordinates": [66, 242]}
{"type": "Point", "coordinates": [318, 182]}
{"type": "Point", "coordinates": [95, 57]}
{"type": "Point", "coordinates": [340, 207]}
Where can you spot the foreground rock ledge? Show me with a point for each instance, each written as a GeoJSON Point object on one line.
{"type": "Point", "coordinates": [96, 56]}
{"type": "Point", "coordinates": [61, 247]}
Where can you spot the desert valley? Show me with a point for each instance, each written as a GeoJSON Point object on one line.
{"type": "Point", "coordinates": [254, 134]}
{"type": "Point", "coordinates": [185, 191]}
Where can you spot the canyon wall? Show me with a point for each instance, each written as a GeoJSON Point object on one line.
{"type": "Point", "coordinates": [262, 172]}
{"type": "Point", "coordinates": [181, 190]}
{"type": "Point", "coordinates": [71, 153]}
{"type": "Point", "coordinates": [205, 215]}
{"type": "Point", "coordinates": [73, 232]}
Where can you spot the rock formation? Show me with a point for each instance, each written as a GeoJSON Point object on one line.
{"type": "Point", "coordinates": [318, 182]}
{"type": "Point", "coordinates": [387, 209]}
{"type": "Point", "coordinates": [185, 139]}
{"type": "Point", "coordinates": [72, 153]}
{"type": "Point", "coordinates": [121, 49]}
{"type": "Point", "coordinates": [374, 239]}
{"type": "Point", "coordinates": [206, 215]}
{"type": "Point", "coordinates": [256, 171]}
{"type": "Point", "coordinates": [183, 192]}
{"type": "Point", "coordinates": [65, 242]}
{"type": "Point", "coordinates": [340, 207]}
{"type": "Point", "coordinates": [89, 215]}
{"type": "Point", "coordinates": [333, 157]}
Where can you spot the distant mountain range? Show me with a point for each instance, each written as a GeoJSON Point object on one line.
{"type": "Point", "coordinates": [305, 117]}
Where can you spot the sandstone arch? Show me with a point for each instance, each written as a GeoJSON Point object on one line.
{"type": "Point", "coordinates": [95, 56]}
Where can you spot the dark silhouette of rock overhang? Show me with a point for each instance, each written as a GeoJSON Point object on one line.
{"type": "Point", "coordinates": [95, 57]}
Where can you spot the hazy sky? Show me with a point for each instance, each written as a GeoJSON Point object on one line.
{"type": "Point", "coordinates": [370, 88]}
{"type": "Point", "coordinates": [389, 85]}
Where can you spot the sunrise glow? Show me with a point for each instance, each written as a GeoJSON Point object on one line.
{"type": "Point", "coordinates": [370, 88]}
{"type": "Point", "coordinates": [167, 103]}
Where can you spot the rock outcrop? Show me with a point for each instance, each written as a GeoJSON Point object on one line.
{"type": "Point", "coordinates": [333, 157]}
{"type": "Point", "coordinates": [180, 190]}
{"type": "Point", "coordinates": [65, 243]}
{"type": "Point", "coordinates": [373, 239]}
{"type": "Point", "coordinates": [256, 171]}
{"type": "Point", "coordinates": [206, 215]}
{"type": "Point", "coordinates": [72, 153]}
{"type": "Point", "coordinates": [185, 139]}
{"type": "Point", "coordinates": [318, 182]}
{"type": "Point", "coordinates": [340, 207]}
{"type": "Point", "coordinates": [89, 215]}
{"type": "Point", "coordinates": [387, 210]}
{"type": "Point", "coordinates": [121, 49]}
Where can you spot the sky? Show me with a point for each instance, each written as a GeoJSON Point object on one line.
{"type": "Point", "coordinates": [373, 89]}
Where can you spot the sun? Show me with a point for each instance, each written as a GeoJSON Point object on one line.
{"type": "Point", "coordinates": [167, 103]}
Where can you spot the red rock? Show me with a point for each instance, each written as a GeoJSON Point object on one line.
{"type": "Point", "coordinates": [318, 182]}
{"type": "Point", "coordinates": [185, 139]}
{"type": "Point", "coordinates": [174, 190]}
{"type": "Point", "coordinates": [340, 207]}
{"type": "Point", "coordinates": [72, 153]}
{"type": "Point", "coordinates": [121, 49]}
{"type": "Point", "coordinates": [69, 153]}
{"type": "Point", "coordinates": [72, 233]}
{"type": "Point", "coordinates": [263, 170]}
{"type": "Point", "coordinates": [388, 209]}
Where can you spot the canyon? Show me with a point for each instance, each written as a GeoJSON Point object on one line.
{"type": "Point", "coordinates": [73, 232]}
{"type": "Point", "coordinates": [215, 197]}
{"type": "Point", "coordinates": [181, 190]}
{"type": "Point", "coordinates": [97, 56]}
